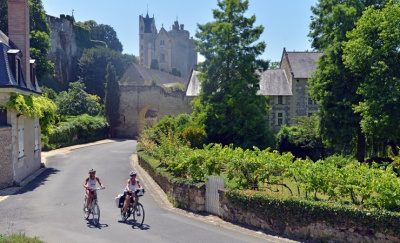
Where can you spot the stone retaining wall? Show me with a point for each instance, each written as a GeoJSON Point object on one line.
{"type": "Point", "coordinates": [320, 232]}
{"type": "Point", "coordinates": [190, 197]}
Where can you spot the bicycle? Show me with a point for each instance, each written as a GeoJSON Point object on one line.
{"type": "Point", "coordinates": [137, 212]}
{"type": "Point", "coordinates": [93, 208]}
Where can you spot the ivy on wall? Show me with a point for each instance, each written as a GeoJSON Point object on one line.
{"type": "Point", "coordinates": [31, 107]}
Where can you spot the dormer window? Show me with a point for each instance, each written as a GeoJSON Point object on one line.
{"type": "Point", "coordinates": [33, 73]}
{"type": "Point", "coordinates": [14, 58]}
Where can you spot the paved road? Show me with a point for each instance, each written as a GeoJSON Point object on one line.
{"type": "Point", "coordinates": [50, 206]}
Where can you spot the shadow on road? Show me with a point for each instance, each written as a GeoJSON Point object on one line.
{"type": "Point", "coordinates": [90, 224]}
{"type": "Point", "coordinates": [38, 181]}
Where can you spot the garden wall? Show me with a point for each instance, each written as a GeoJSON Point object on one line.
{"type": "Point", "coordinates": [182, 195]}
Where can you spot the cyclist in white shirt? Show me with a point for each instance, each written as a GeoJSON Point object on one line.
{"type": "Point", "coordinates": [90, 182]}
{"type": "Point", "coordinates": [131, 185]}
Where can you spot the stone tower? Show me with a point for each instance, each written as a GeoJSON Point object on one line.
{"type": "Point", "coordinates": [172, 49]}
{"type": "Point", "coordinates": [147, 35]}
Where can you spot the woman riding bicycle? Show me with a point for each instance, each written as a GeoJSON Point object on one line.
{"type": "Point", "coordinates": [90, 182]}
{"type": "Point", "coordinates": [131, 185]}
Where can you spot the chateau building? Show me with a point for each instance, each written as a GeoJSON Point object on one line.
{"type": "Point", "coordinates": [286, 87]}
{"type": "Point", "coordinates": [172, 49]}
{"type": "Point", "coordinates": [20, 148]}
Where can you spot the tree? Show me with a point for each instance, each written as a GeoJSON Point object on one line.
{"type": "Point", "coordinates": [102, 32]}
{"type": "Point", "coordinates": [77, 102]}
{"type": "Point", "coordinates": [39, 35]}
{"type": "Point", "coordinates": [372, 54]}
{"type": "Point", "coordinates": [228, 105]}
{"type": "Point", "coordinates": [93, 67]}
{"type": "Point", "coordinates": [332, 85]}
{"type": "Point", "coordinates": [112, 96]}
{"type": "Point", "coordinates": [176, 72]}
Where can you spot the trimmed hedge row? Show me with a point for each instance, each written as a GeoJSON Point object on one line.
{"type": "Point", "coordinates": [78, 130]}
{"type": "Point", "coordinates": [299, 212]}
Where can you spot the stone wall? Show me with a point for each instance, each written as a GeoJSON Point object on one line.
{"type": "Point", "coordinates": [133, 99]}
{"type": "Point", "coordinates": [320, 231]}
{"type": "Point", "coordinates": [190, 197]}
{"type": "Point", "coordinates": [64, 52]}
{"type": "Point", "coordinates": [6, 162]}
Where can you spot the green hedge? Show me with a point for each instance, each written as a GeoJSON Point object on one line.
{"type": "Point", "coordinates": [77, 130]}
{"type": "Point", "coordinates": [300, 212]}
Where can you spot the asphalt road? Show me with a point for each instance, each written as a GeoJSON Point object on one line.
{"type": "Point", "coordinates": [50, 206]}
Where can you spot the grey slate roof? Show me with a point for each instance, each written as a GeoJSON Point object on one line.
{"type": "Point", "coordinates": [6, 77]}
{"type": "Point", "coordinates": [274, 82]}
{"type": "Point", "coordinates": [138, 75]}
{"type": "Point", "coordinates": [303, 63]}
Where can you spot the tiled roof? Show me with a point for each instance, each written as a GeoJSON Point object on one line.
{"type": "Point", "coordinates": [163, 78]}
{"type": "Point", "coordinates": [274, 82]}
{"type": "Point", "coordinates": [303, 63]}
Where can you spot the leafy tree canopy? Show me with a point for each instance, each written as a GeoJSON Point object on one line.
{"type": "Point", "coordinates": [102, 32]}
{"type": "Point", "coordinates": [332, 85]}
{"type": "Point", "coordinates": [76, 101]}
{"type": "Point", "coordinates": [372, 54]}
{"type": "Point", "coordinates": [228, 105]}
{"type": "Point", "coordinates": [93, 67]}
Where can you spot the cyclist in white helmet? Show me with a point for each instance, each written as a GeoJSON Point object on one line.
{"type": "Point", "coordinates": [90, 182]}
{"type": "Point", "coordinates": [131, 185]}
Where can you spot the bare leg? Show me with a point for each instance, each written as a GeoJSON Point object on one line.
{"type": "Point", "coordinates": [127, 202]}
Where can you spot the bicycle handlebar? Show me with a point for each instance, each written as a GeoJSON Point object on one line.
{"type": "Point", "coordinates": [94, 188]}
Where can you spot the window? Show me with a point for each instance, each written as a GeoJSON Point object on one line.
{"type": "Point", "coordinates": [310, 114]}
{"type": "Point", "coordinates": [311, 102]}
{"type": "Point", "coordinates": [161, 42]}
{"type": "Point", "coordinates": [141, 36]}
{"type": "Point", "coordinates": [3, 117]}
{"type": "Point", "coordinates": [279, 118]}
{"type": "Point", "coordinates": [21, 141]}
{"type": "Point", "coordinates": [162, 57]}
{"type": "Point", "coordinates": [280, 100]}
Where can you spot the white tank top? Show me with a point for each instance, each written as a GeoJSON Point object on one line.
{"type": "Point", "coordinates": [132, 187]}
{"type": "Point", "coordinates": [91, 183]}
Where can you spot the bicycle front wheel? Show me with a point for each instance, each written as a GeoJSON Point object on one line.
{"type": "Point", "coordinates": [138, 214]}
{"type": "Point", "coordinates": [85, 213]}
{"type": "Point", "coordinates": [96, 214]}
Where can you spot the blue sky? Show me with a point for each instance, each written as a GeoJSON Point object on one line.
{"type": "Point", "coordinates": [286, 22]}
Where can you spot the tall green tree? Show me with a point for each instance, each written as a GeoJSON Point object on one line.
{"type": "Point", "coordinates": [228, 105]}
{"type": "Point", "coordinates": [332, 85]}
{"type": "Point", "coordinates": [39, 35]}
{"type": "Point", "coordinates": [373, 55]}
{"type": "Point", "coordinates": [111, 100]}
{"type": "Point", "coordinates": [102, 32]}
{"type": "Point", "coordinates": [76, 101]}
{"type": "Point", "coordinates": [93, 67]}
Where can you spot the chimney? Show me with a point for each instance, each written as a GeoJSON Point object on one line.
{"type": "Point", "coordinates": [18, 32]}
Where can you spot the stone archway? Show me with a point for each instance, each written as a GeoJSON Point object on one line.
{"type": "Point", "coordinates": [147, 116]}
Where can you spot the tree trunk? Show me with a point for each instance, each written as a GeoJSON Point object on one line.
{"type": "Point", "coordinates": [360, 155]}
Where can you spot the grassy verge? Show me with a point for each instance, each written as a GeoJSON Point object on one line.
{"type": "Point", "coordinates": [19, 238]}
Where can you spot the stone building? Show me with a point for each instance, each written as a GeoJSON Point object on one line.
{"type": "Point", "coordinates": [20, 146]}
{"type": "Point", "coordinates": [286, 87]}
{"type": "Point", "coordinates": [171, 49]}
{"type": "Point", "coordinates": [145, 99]}
{"type": "Point", "coordinates": [142, 103]}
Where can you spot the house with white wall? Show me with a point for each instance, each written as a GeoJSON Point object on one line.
{"type": "Point", "coordinates": [20, 148]}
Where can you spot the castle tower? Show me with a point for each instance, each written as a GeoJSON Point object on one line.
{"type": "Point", "coordinates": [18, 33]}
{"type": "Point", "coordinates": [147, 35]}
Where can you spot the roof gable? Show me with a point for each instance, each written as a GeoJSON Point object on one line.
{"type": "Point", "coordinates": [303, 64]}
